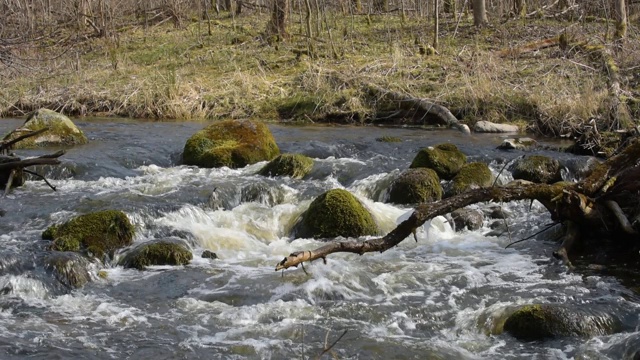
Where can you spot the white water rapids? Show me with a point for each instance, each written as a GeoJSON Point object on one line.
{"type": "Point", "coordinates": [438, 298]}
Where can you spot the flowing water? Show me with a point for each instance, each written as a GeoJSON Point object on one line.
{"type": "Point", "coordinates": [437, 298]}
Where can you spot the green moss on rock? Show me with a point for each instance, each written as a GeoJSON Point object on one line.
{"type": "Point", "coordinates": [294, 165]}
{"type": "Point", "coordinates": [540, 321]}
{"type": "Point", "coordinates": [389, 139]}
{"type": "Point", "coordinates": [471, 176]}
{"type": "Point", "coordinates": [157, 252]}
{"type": "Point", "coordinates": [231, 143]}
{"type": "Point", "coordinates": [415, 186]}
{"type": "Point", "coordinates": [99, 233]}
{"type": "Point", "coordinates": [336, 213]}
{"type": "Point", "coordinates": [537, 169]}
{"type": "Point", "coordinates": [62, 130]}
{"type": "Point", "coordinates": [445, 159]}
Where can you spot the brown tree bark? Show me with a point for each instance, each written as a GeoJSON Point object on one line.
{"type": "Point", "coordinates": [620, 13]}
{"type": "Point", "coordinates": [279, 14]}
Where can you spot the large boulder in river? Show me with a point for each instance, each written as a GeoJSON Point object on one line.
{"type": "Point", "coordinates": [471, 176]}
{"type": "Point", "coordinates": [414, 186]}
{"type": "Point", "coordinates": [231, 143]}
{"type": "Point", "coordinates": [62, 131]}
{"type": "Point", "coordinates": [98, 234]}
{"type": "Point", "coordinates": [157, 252]}
{"type": "Point", "coordinates": [336, 213]}
{"type": "Point", "coordinates": [540, 321]}
{"type": "Point", "coordinates": [296, 166]}
{"type": "Point", "coordinates": [69, 268]}
{"type": "Point", "coordinates": [445, 159]}
{"type": "Point", "coordinates": [537, 169]}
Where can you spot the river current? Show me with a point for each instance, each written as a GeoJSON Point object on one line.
{"type": "Point", "coordinates": [437, 298]}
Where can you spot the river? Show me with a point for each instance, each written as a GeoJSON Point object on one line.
{"type": "Point", "coordinates": [437, 298]}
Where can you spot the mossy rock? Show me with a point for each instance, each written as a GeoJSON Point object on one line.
{"type": "Point", "coordinates": [415, 186]}
{"type": "Point", "coordinates": [540, 321]}
{"type": "Point", "coordinates": [445, 159]}
{"type": "Point", "coordinates": [231, 143]}
{"type": "Point", "coordinates": [70, 268]}
{"type": "Point", "coordinates": [62, 131]}
{"type": "Point", "coordinates": [336, 213]}
{"type": "Point", "coordinates": [471, 176]}
{"type": "Point", "coordinates": [294, 165]}
{"type": "Point", "coordinates": [157, 252]}
{"type": "Point", "coordinates": [98, 234]}
{"type": "Point", "coordinates": [537, 169]}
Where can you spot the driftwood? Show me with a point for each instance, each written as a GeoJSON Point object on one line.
{"type": "Point", "coordinates": [12, 166]}
{"type": "Point", "coordinates": [580, 206]}
{"type": "Point", "coordinates": [402, 100]}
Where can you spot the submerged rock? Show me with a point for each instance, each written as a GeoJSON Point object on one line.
{"type": "Point", "coordinates": [471, 176]}
{"type": "Point", "coordinates": [470, 219]}
{"type": "Point", "coordinates": [540, 321]}
{"type": "Point", "coordinates": [62, 131]}
{"type": "Point", "coordinates": [336, 213]}
{"type": "Point", "coordinates": [389, 139]}
{"type": "Point", "coordinates": [231, 143]}
{"type": "Point", "coordinates": [70, 268]}
{"type": "Point", "coordinates": [445, 159]}
{"type": "Point", "coordinates": [537, 169]}
{"type": "Point", "coordinates": [157, 252]}
{"type": "Point", "coordinates": [524, 143]}
{"type": "Point", "coordinates": [489, 127]}
{"type": "Point", "coordinates": [98, 234]}
{"type": "Point", "coordinates": [296, 166]}
{"type": "Point", "coordinates": [208, 254]}
{"type": "Point", "coordinates": [415, 186]}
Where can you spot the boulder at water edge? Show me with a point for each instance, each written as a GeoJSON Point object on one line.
{"type": "Point", "coordinates": [231, 143]}
{"type": "Point", "coordinates": [70, 268]}
{"type": "Point", "coordinates": [537, 169]}
{"type": "Point", "coordinates": [62, 131]}
{"type": "Point", "coordinates": [539, 321]}
{"type": "Point", "coordinates": [98, 234]}
{"type": "Point", "coordinates": [445, 159]}
{"type": "Point", "coordinates": [296, 166]}
{"type": "Point", "coordinates": [471, 176]}
{"type": "Point", "coordinates": [414, 186]}
{"type": "Point", "coordinates": [157, 252]}
{"type": "Point", "coordinates": [489, 127]}
{"type": "Point", "coordinates": [336, 213]}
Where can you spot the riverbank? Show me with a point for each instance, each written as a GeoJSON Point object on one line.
{"type": "Point", "coordinates": [186, 73]}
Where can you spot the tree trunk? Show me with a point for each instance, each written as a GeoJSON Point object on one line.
{"type": "Point", "coordinates": [381, 5]}
{"type": "Point", "coordinates": [479, 13]}
{"type": "Point", "coordinates": [620, 13]}
{"type": "Point", "coordinates": [520, 7]}
{"type": "Point", "coordinates": [436, 22]}
{"type": "Point", "coordinates": [279, 14]}
{"type": "Point", "coordinates": [449, 7]}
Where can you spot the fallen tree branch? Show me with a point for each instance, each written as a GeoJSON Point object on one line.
{"type": "Point", "coordinates": [6, 145]}
{"type": "Point", "coordinates": [543, 192]}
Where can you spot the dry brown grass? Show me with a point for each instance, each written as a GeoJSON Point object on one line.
{"type": "Point", "coordinates": [185, 74]}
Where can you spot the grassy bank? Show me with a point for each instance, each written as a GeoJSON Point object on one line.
{"type": "Point", "coordinates": [185, 73]}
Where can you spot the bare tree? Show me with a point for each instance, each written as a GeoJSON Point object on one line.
{"type": "Point", "coordinates": [620, 13]}
{"type": "Point", "coordinates": [479, 13]}
{"type": "Point", "coordinates": [279, 14]}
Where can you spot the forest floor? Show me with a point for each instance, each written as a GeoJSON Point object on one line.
{"type": "Point", "coordinates": [501, 73]}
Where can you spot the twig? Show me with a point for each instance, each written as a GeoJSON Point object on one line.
{"type": "Point", "coordinates": [327, 349]}
{"type": "Point", "coordinates": [9, 181]}
{"type": "Point", "coordinates": [532, 236]}
{"type": "Point", "coordinates": [41, 177]}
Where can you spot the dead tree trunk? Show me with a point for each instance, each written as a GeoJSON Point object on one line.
{"type": "Point", "coordinates": [590, 205]}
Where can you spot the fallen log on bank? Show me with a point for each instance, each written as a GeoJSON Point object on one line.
{"type": "Point", "coordinates": [584, 208]}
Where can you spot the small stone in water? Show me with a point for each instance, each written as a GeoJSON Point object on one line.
{"type": "Point", "coordinates": [207, 254]}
